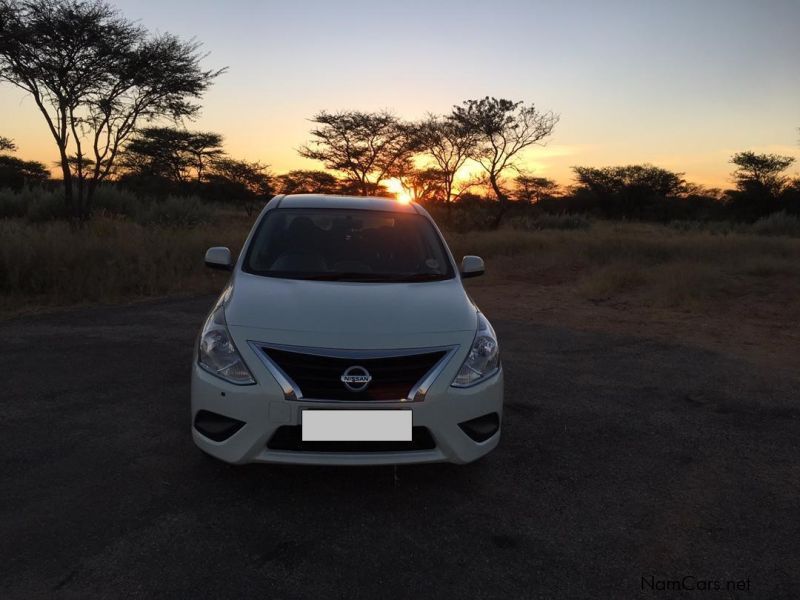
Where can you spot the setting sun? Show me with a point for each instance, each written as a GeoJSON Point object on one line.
{"type": "Point", "coordinates": [395, 186]}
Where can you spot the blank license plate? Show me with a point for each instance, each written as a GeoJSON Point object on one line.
{"type": "Point", "coordinates": [356, 425]}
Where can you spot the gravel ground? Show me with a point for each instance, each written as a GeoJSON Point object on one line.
{"type": "Point", "coordinates": [624, 463]}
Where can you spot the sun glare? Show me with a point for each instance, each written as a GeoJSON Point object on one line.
{"type": "Point", "coordinates": [395, 186]}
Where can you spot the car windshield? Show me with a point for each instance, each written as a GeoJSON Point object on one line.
{"type": "Point", "coordinates": [347, 245]}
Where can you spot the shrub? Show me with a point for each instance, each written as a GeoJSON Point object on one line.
{"type": "Point", "coordinates": [712, 227]}
{"type": "Point", "coordinates": [549, 221]}
{"type": "Point", "coordinates": [12, 204]}
{"type": "Point", "coordinates": [780, 223]}
{"type": "Point", "coordinates": [175, 212]}
{"type": "Point", "coordinates": [44, 205]}
{"type": "Point", "coordinates": [475, 218]}
{"type": "Point", "coordinates": [118, 201]}
{"type": "Point", "coordinates": [37, 203]}
{"type": "Point", "coordinates": [468, 214]}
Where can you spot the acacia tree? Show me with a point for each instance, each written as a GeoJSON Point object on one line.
{"type": "Point", "coordinates": [204, 147]}
{"type": "Point", "coordinates": [76, 166]}
{"type": "Point", "coordinates": [248, 184]}
{"type": "Point", "coordinates": [503, 129]}
{"type": "Point", "coordinates": [450, 144]}
{"type": "Point", "coordinates": [646, 178]}
{"type": "Point", "coordinates": [307, 182]}
{"type": "Point", "coordinates": [763, 170]}
{"type": "Point", "coordinates": [15, 173]}
{"type": "Point", "coordinates": [532, 189]}
{"type": "Point", "coordinates": [760, 183]}
{"type": "Point", "coordinates": [425, 185]}
{"type": "Point", "coordinates": [629, 191]}
{"type": "Point", "coordinates": [175, 154]}
{"type": "Point", "coordinates": [95, 76]}
{"type": "Point", "coordinates": [367, 148]}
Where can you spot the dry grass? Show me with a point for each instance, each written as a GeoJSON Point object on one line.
{"type": "Point", "coordinates": [50, 264]}
{"type": "Point", "coordinates": [733, 293]}
{"type": "Point", "coordinates": [651, 264]}
{"type": "Point", "coordinates": [108, 260]}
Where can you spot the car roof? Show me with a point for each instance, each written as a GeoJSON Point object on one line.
{"type": "Point", "coordinates": [348, 202]}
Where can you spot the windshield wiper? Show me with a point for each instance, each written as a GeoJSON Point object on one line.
{"type": "Point", "coordinates": [344, 276]}
{"type": "Point", "coordinates": [415, 277]}
{"type": "Point", "coordinates": [373, 277]}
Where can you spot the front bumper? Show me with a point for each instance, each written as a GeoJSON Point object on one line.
{"type": "Point", "coordinates": [263, 408]}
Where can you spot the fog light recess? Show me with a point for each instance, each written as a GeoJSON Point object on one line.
{"type": "Point", "coordinates": [481, 428]}
{"type": "Point", "coordinates": [217, 428]}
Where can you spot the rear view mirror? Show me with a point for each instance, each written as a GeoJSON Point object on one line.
{"type": "Point", "coordinates": [219, 257]}
{"type": "Point", "coordinates": [472, 266]}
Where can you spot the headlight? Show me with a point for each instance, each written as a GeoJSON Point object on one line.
{"type": "Point", "coordinates": [483, 359]}
{"type": "Point", "coordinates": [217, 354]}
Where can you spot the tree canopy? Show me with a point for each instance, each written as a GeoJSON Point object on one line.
{"type": "Point", "coordinates": [761, 182]}
{"type": "Point", "coordinates": [427, 185]}
{"type": "Point", "coordinates": [646, 178]}
{"type": "Point", "coordinates": [504, 129]}
{"type": "Point", "coordinates": [366, 148]}
{"type": "Point", "coordinates": [764, 170]}
{"type": "Point", "coordinates": [7, 145]}
{"type": "Point", "coordinates": [16, 173]}
{"type": "Point", "coordinates": [307, 182]}
{"type": "Point", "coordinates": [95, 76]}
{"type": "Point", "coordinates": [449, 143]}
{"type": "Point", "coordinates": [247, 184]}
{"type": "Point", "coordinates": [533, 189]}
{"type": "Point", "coordinates": [632, 191]}
{"type": "Point", "coordinates": [177, 155]}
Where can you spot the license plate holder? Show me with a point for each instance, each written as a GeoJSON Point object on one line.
{"type": "Point", "coordinates": [341, 425]}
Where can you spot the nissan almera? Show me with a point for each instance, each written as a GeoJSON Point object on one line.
{"type": "Point", "coordinates": [345, 336]}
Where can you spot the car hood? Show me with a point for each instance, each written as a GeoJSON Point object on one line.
{"type": "Point", "coordinates": [325, 307]}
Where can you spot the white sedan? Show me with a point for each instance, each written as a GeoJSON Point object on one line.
{"type": "Point", "coordinates": [345, 336]}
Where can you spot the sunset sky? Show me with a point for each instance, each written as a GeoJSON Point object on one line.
{"type": "Point", "coordinates": [680, 84]}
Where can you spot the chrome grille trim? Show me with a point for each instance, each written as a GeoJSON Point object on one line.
{"type": "Point", "coordinates": [292, 391]}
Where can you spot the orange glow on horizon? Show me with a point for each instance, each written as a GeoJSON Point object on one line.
{"type": "Point", "coordinates": [395, 186]}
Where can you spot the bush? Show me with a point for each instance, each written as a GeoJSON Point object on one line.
{"type": "Point", "coordinates": [118, 201]}
{"type": "Point", "coordinates": [45, 205]}
{"type": "Point", "coordinates": [471, 213]}
{"type": "Point", "coordinates": [41, 205]}
{"type": "Point", "coordinates": [712, 227]}
{"type": "Point", "coordinates": [12, 204]}
{"type": "Point", "coordinates": [780, 223]}
{"type": "Point", "coordinates": [547, 221]}
{"type": "Point", "coordinates": [36, 203]}
{"type": "Point", "coordinates": [476, 218]}
{"type": "Point", "coordinates": [175, 212]}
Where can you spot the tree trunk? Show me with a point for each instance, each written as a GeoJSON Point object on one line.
{"type": "Point", "coordinates": [66, 174]}
{"type": "Point", "coordinates": [502, 201]}
{"type": "Point", "coordinates": [83, 213]}
{"type": "Point", "coordinates": [448, 199]}
{"type": "Point", "coordinates": [91, 188]}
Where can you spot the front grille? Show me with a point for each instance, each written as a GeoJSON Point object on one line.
{"type": "Point", "coordinates": [290, 437]}
{"type": "Point", "coordinates": [319, 377]}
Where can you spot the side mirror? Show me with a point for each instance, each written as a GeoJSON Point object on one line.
{"type": "Point", "coordinates": [472, 266]}
{"type": "Point", "coordinates": [219, 257]}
